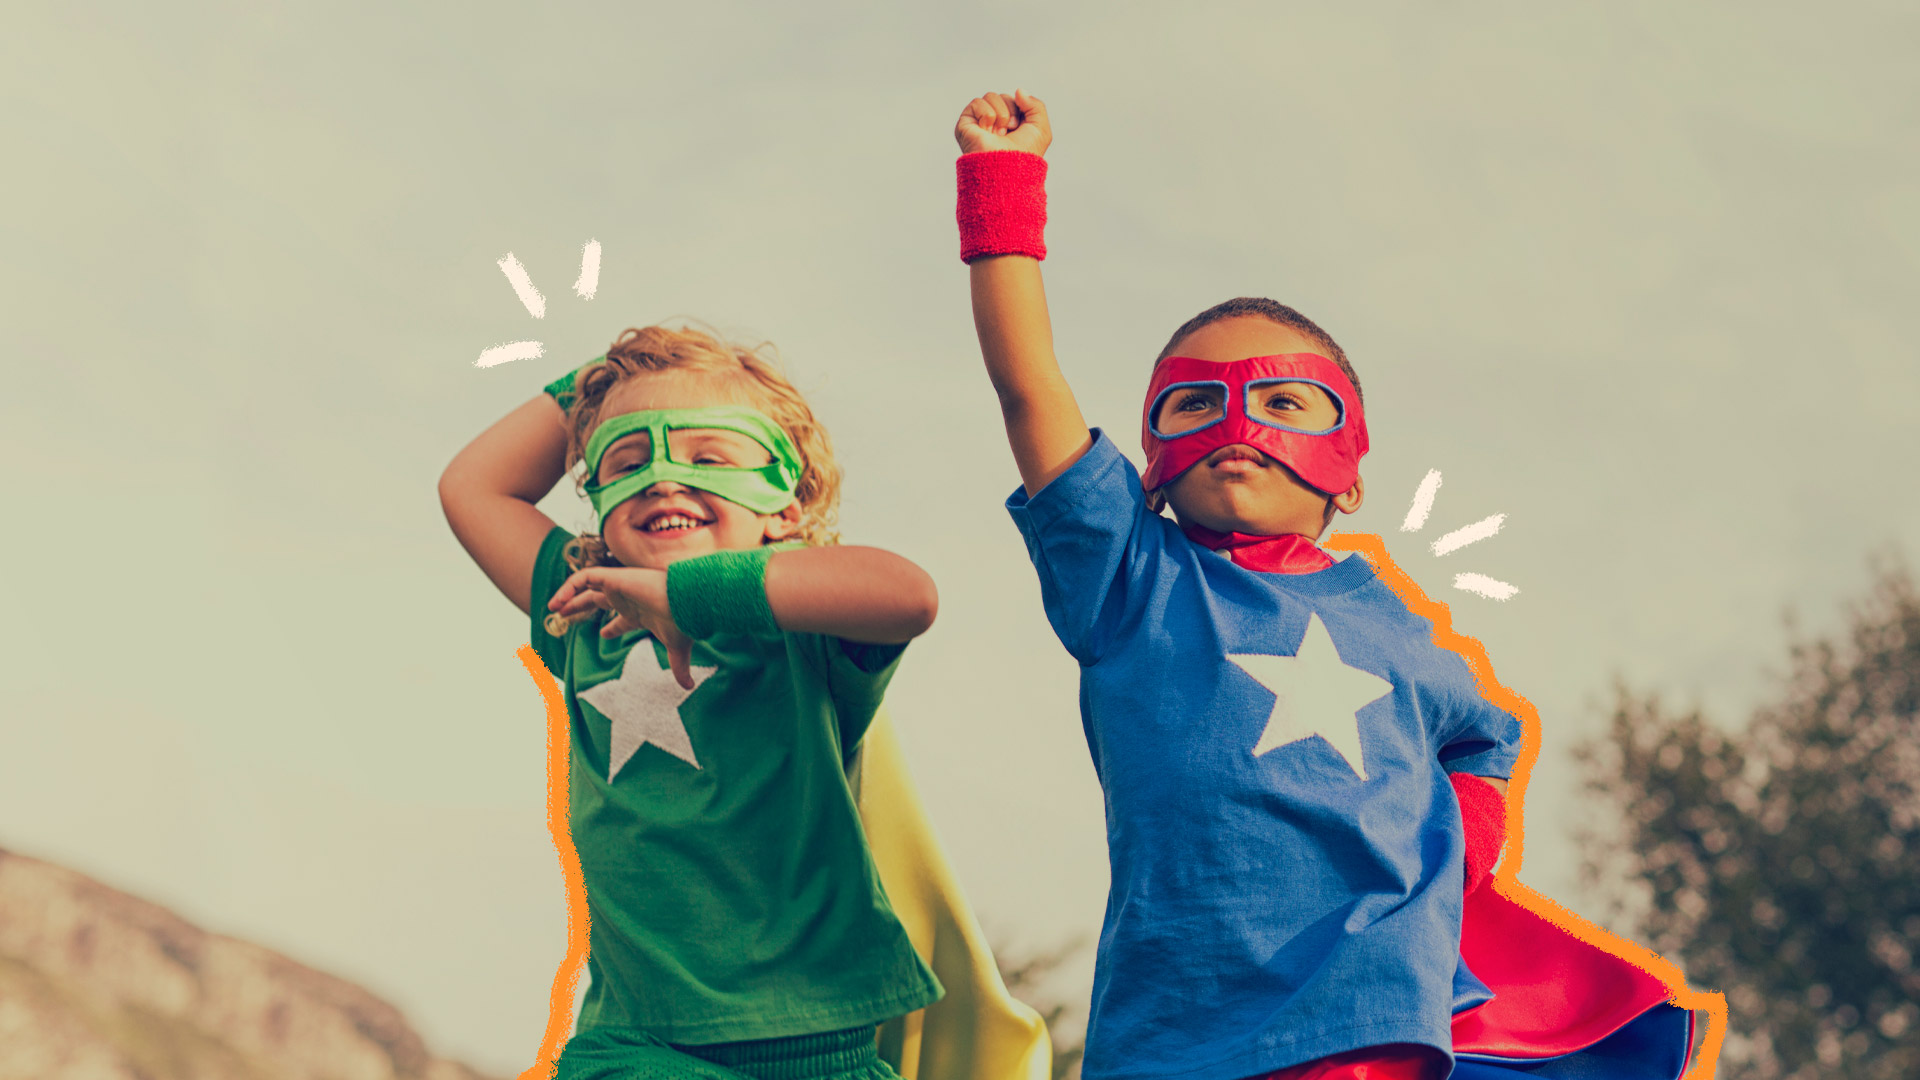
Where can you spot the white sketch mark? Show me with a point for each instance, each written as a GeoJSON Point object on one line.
{"type": "Point", "coordinates": [523, 286]}
{"type": "Point", "coordinates": [1422, 502]}
{"type": "Point", "coordinates": [509, 352]}
{"type": "Point", "coordinates": [1482, 585]}
{"type": "Point", "coordinates": [589, 282]}
{"type": "Point", "coordinates": [1468, 534]}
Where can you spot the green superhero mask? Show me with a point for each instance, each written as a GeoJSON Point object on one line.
{"type": "Point", "coordinates": [764, 490]}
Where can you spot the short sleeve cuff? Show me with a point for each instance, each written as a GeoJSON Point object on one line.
{"type": "Point", "coordinates": [871, 659]}
{"type": "Point", "coordinates": [549, 573]}
{"type": "Point", "coordinates": [1496, 762]}
{"type": "Point", "coordinates": [1102, 481]}
{"type": "Point", "coordinates": [561, 390]}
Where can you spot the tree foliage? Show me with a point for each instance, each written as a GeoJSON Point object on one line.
{"type": "Point", "coordinates": [1781, 864]}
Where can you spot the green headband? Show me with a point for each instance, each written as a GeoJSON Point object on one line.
{"type": "Point", "coordinates": [764, 490]}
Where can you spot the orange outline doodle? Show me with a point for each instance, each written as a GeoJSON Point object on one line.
{"type": "Point", "coordinates": [559, 757]}
{"type": "Point", "coordinates": [1507, 878]}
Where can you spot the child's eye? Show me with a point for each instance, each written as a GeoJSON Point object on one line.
{"type": "Point", "coordinates": [1281, 402]}
{"type": "Point", "coordinates": [710, 459]}
{"type": "Point", "coordinates": [1194, 403]}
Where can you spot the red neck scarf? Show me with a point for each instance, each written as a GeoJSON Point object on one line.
{"type": "Point", "coordinates": [1288, 554]}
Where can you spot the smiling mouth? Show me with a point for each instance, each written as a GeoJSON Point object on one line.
{"type": "Point", "coordinates": [672, 522]}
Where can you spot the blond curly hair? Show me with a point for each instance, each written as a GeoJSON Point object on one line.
{"type": "Point", "coordinates": [641, 352]}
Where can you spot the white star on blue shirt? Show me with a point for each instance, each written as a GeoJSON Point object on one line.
{"type": "Point", "coordinates": [1314, 693]}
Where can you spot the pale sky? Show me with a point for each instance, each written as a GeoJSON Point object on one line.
{"type": "Point", "coordinates": [1640, 276]}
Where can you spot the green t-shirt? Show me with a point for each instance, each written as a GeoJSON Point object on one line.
{"type": "Point", "coordinates": [729, 884]}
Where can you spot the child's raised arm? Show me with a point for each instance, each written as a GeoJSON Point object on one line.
{"type": "Point", "coordinates": [489, 490]}
{"type": "Point", "coordinates": [1044, 425]}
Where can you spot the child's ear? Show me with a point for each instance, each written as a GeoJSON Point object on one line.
{"type": "Point", "coordinates": [782, 525]}
{"type": "Point", "coordinates": [1349, 500]}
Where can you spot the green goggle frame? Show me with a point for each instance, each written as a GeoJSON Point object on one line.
{"type": "Point", "coordinates": [767, 489]}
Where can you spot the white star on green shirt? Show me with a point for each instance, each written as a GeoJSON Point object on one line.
{"type": "Point", "coordinates": [643, 706]}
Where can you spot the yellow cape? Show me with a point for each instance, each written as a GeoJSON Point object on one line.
{"type": "Point", "coordinates": [977, 1031]}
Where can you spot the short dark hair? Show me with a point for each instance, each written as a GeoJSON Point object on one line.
{"type": "Point", "coordinates": [1272, 311]}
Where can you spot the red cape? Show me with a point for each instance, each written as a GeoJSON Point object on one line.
{"type": "Point", "coordinates": [1553, 993]}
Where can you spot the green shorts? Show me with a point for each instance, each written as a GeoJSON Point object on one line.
{"type": "Point", "coordinates": [626, 1054]}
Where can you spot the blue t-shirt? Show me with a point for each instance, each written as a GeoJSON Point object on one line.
{"type": "Point", "coordinates": [1274, 748]}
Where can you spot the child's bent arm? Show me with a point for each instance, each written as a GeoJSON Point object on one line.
{"type": "Point", "coordinates": [858, 593]}
{"type": "Point", "coordinates": [489, 490]}
{"type": "Point", "coordinates": [1044, 425]}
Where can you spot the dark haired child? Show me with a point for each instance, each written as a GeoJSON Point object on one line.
{"type": "Point", "coordinates": [1302, 790]}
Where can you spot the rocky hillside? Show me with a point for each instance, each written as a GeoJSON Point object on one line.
{"type": "Point", "coordinates": [99, 985]}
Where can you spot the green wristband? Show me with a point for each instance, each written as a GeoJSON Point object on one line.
{"type": "Point", "coordinates": [561, 389]}
{"type": "Point", "coordinates": [721, 593]}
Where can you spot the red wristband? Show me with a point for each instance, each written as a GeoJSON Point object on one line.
{"type": "Point", "coordinates": [1483, 811]}
{"type": "Point", "coordinates": [1003, 204]}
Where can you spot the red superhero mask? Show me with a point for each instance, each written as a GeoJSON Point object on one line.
{"type": "Point", "coordinates": [1329, 460]}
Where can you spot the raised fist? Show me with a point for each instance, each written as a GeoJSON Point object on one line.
{"type": "Point", "coordinates": [1004, 122]}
